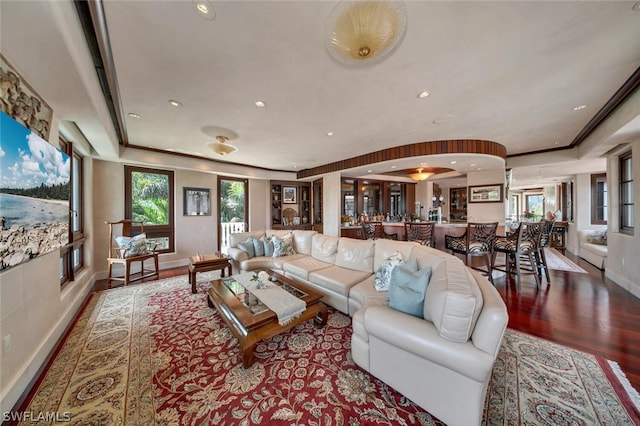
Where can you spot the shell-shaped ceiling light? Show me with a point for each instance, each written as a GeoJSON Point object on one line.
{"type": "Point", "coordinates": [221, 147]}
{"type": "Point", "coordinates": [365, 32]}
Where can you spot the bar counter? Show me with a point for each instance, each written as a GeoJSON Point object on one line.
{"type": "Point", "coordinates": [397, 228]}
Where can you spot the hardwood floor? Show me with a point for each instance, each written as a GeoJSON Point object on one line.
{"type": "Point", "coordinates": [584, 311]}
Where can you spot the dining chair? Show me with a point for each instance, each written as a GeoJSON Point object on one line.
{"type": "Point", "coordinates": [520, 248]}
{"type": "Point", "coordinates": [540, 256]}
{"type": "Point", "coordinates": [374, 230]}
{"type": "Point", "coordinates": [477, 240]}
{"type": "Point", "coordinates": [422, 232]}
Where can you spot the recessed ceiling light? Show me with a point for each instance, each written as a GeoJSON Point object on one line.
{"type": "Point", "coordinates": [579, 107]}
{"type": "Point", "coordinates": [260, 104]}
{"type": "Point", "coordinates": [453, 162]}
{"type": "Point", "coordinates": [556, 142]}
{"type": "Point", "coordinates": [472, 164]}
{"type": "Point", "coordinates": [423, 95]}
{"type": "Point", "coordinates": [329, 133]}
{"type": "Point", "coordinates": [204, 9]}
{"type": "Point", "coordinates": [369, 171]}
{"type": "Point", "coordinates": [134, 115]}
{"type": "Point", "coordinates": [175, 103]}
{"type": "Point", "coordinates": [636, 7]}
{"type": "Point", "coordinates": [393, 167]}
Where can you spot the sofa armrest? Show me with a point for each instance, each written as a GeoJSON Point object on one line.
{"type": "Point", "coordinates": [420, 337]}
{"type": "Point", "coordinates": [237, 254]}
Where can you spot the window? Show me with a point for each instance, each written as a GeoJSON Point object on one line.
{"type": "Point", "coordinates": [627, 209]}
{"type": "Point", "coordinates": [534, 204]}
{"type": "Point", "coordinates": [599, 199]}
{"type": "Point", "coordinates": [72, 255]}
{"type": "Point", "coordinates": [149, 197]}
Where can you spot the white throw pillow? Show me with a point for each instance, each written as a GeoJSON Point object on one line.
{"type": "Point", "coordinates": [382, 278]}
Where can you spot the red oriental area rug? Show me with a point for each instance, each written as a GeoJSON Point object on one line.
{"type": "Point", "coordinates": [156, 354]}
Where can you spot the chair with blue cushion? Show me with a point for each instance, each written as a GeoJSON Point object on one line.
{"type": "Point", "coordinates": [126, 246]}
{"type": "Point", "coordinates": [477, 240]}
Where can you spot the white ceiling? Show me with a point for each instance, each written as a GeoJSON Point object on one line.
{"type": "Point", "coordinates": [506, 71]}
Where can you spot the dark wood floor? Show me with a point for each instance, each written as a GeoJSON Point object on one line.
{"type": "Point", "coordinates": [584, 311]}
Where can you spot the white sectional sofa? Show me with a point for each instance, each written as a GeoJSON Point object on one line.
{"type": "Point", "coordinates": [592, 247]}
{"type": "Point", "coordinates": [443, 360]}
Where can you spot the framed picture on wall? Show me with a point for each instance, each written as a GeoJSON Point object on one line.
{"type": "Point", "coordinates": [196, 202]}
{"type": "Point", "coordinates": [289, 194]}
{"type": "Point", "coordinates": [485, 194]}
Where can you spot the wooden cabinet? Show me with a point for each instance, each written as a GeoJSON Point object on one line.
{"type": "Point", "coordinates": [317, 205]}
{"type": "Point", "coordinates": [458, 206]}
{"type": "Point", "coordinates": [290, 205]}
{"type": "Point", "coordinates": [558, 236]}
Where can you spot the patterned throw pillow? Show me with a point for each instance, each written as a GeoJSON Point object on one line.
{"type": "Point", "coordinates": [407, 290]}
{"type": "Point", "coordinates": [599, 238]}
{"type": "Point", "coordinates": [248, 247]}
{"type": "Point", "coordinates": [135, 246]}
{"type": "Point", "coordinates": [382, 278]}
{"type": "Point", "coordinates": [282, 247]}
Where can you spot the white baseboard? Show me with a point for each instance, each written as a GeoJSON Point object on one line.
{"type": "Point", "coordinates": [623, 282]}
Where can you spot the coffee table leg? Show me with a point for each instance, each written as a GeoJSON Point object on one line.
{"type": "Point", "coordinates": [321, 318]}
{"type": "Point", "coordinates": [192, 280]}
{"type": "Point", "coordinates": [248, 357]}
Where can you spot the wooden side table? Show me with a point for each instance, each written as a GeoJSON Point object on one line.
{"type": "Point", "coordinates": [557, 237]}
{"type": "Point", "coordinates": [204, 263]}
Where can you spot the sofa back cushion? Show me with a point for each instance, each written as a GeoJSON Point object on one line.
{"type": "Point", "coordinates": [453, 300]}
{"type": "Point", "coordinates": [385, 248]}
{"type": "Point", "coordinates": [427, 256]}
{"type": "Point", "coordinates": [324, 248]}
{"type": "Point", "coordinates": [302, 241]}
{"type": "Point", "coordinates": [355, 254]}
{"type": "Point", "coordinates": [241, 237]}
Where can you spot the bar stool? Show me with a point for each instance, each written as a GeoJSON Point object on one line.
{"type": "Point", "coordinates": [477, 240]}
{"type": "Point", "coordinates": [519, 246]}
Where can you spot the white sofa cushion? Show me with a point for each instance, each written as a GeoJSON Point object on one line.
{"type": "Point", "coordinates": [385, 248]}
{"type": "Point", "coordinates": [338, 279]}
{"type": "Point", "coordinates": [355, 254]}
{"type": "Point", "coordinates": [324, 248]}
{"type": "Point", "coordinates": [302, 241]}
{"type": "Point", "coordinates": [303, 266]}
{"type": "Point", "coordinates": [453, 300]}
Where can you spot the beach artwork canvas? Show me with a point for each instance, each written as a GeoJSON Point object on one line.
{"type": "Point", "coordinates": [34, 194]}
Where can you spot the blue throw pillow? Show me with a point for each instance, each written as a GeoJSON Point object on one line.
{"type": "Point", "coordinates": [258, 247]}
{"type": "Point", "coordinates": [268, 246]}
{"type": "Point", "coordinates": [247, 247]}
{"type": "Point", "coordinates": [408, 288]}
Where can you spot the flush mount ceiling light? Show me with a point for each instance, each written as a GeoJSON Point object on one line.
{"type": "Point", "coordinates": [204, 9]}
{"type": "Point", "coordinates": [221, 147]}
{"type": "Point", "coordinates": [364, 32]}
{"type": "Point", "coordinates": [420, 175]}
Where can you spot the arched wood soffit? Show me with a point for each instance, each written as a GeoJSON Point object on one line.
{"type": "Point", "coordinates": [458, 146]}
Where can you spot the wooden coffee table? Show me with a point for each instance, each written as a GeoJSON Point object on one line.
{"type": "Point", "coordinates": [250, 321]}
{"type": "Point", "coordinates": [204, 263]}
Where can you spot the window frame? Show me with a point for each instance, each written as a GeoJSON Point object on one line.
{"type": "Point", "coordinates": [152, 231]}
{"type": "Point", "coordinates": [69, 268]}
{"type": "Point", "coordinates": [624, 182]}
{"type": "Point", "coordinates": [595, 179]}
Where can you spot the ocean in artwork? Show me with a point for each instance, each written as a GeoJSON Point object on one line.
{"type": "Point", "coordinates": [27, 211]}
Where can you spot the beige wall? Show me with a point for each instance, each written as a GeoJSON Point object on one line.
{"type": "Point", "coordinates": [487, 212]}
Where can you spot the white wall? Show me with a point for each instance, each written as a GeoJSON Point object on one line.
{"type": "Point", "coordinates": [35, 311]}
{"type": "Point", "coordinates": [622, 259]}
{"type": "Point", "coordinates": [487, 212]}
